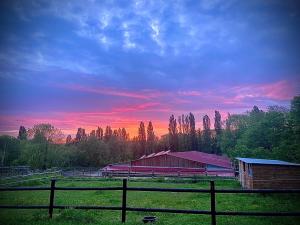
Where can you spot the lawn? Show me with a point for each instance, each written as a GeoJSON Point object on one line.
{"type": "Point", "coordinates": [195, 201]}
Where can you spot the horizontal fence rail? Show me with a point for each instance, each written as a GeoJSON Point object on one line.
{"type": "Point", "coordinates": [121, 173]}
{"type": "Point", "coordinates": [123, 208]}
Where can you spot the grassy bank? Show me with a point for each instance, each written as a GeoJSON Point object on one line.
{"type": "Point", "coordinates": [195, 201]}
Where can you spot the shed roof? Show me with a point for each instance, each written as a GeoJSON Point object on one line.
{"type": "Point", "coordinates": [267, 162]}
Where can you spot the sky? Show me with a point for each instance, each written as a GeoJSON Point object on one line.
{"type": "Point", "coordinates": [96, 63]}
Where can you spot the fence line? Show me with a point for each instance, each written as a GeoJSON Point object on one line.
{"type": "Point", "coordinates": [152, 174]}
{"type": "Point", "coordinates": [28, 176]}
{"type": "Point", "coordinates": [124, 188]}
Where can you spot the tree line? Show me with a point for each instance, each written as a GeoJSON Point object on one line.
{"type": "Point", "coordinates": [184, 136]}
{"type": "Point", "coordinates": [273, 133]}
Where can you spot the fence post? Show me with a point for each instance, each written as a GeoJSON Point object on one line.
{"type": "Point", "coordinates": [213, 202]}
{"type": "Point", "coordinates": [124, 200]}
{"type": "Point", "coordinates": [51, 198]}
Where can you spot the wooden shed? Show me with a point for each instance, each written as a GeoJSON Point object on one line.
{"type": "Point", "coordinates": [268, 174]}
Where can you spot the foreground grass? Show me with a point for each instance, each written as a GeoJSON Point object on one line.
{"type": "Point", "coordinates": [195, 201]}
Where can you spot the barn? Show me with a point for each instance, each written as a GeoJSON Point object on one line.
{"type": "Point", "coordinates": [268, 174]}
{"type": "Point", "coordinates": [178, 163]}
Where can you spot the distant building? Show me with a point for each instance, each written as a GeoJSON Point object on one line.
{"type": "Point", "coordinates": [182, 163]}
{"type": "Point", "coordinates": [268, 174]}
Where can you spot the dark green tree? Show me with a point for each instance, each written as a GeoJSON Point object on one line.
{"type": "Point", "coordinates": [192, 132]}
{"type": "Point", "coordinates": [295, 116]}
{"type": "Point", "coordinates": [43, 134]}
{"type": "Point", "coordinates": [142, 139]}
{"type": "Point", "coordinates": [92, 153]}
{"type": "Point", "coordinates": [199, 140]}
{"type": "Point", "coordinates": [99, 133]}
{"type": "Point", "coordinates": [81, 135]}
{"type": "Point", "coordinates": [108, 133]}
{"type": "Point", "coordinates": [150, 148]}
{"type": "Point", "coordinates": [69, 140]}
{"type": "Point", "coordinates": [207, 142]}
{"type": "Point", "coordinates": [93, 133]}
{"type": "Point", "coordinates": [218, 131]}
{"type": "Point", "coordinates": [9, 150]}
{"type": "Point", "coordinates": [22, 133]}
{"type": "Point", "coordinates": [124, 134]}
{"type": "Point", "coordinates": [173, 134]}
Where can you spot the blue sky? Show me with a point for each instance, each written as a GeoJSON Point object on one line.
{"type": "Point", "coordinates": [89, 63]}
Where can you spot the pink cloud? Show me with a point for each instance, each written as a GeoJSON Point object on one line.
{"type": "Point", "coordinates": [104, 91]}
{"type": "Point", "coordinates": [143, 94]}
{"type": "Point", "coordinates": [280, 90]}
{"type": "Point", "coordinates": [189, 93]}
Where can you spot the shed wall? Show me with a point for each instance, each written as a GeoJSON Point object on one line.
{"type": "Point", "coordinates": [244, 175]}
{"type": "Point", "coordinates": [276, 177]}
{"type": "Point", "coordinates": [259, 176]}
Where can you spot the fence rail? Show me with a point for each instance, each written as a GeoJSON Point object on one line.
{"type": "Point", "coordinates": [174, 174]}
{"type": "Point", "coordinates": [124, 188]}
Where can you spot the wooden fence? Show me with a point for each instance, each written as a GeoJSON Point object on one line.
{"type": "Point", "coordinates": [123, 208]}
{"type": "Point", "coordinates": [121, 173]}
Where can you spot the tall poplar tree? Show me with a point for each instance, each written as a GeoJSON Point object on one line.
{"type": "Point", "coordinates": [218, 130]}
{"type": "Point", "coordinates": [206, 135]}
{"type": "Point", "coordinates": [173, 134]}
{"type": "Point", "coordinates": [99, 133]}
{"type": "Point", "coordinates": [108, 133]}
{"type": "Point", "coordinates": [150, 148]}
{"type": "Point", "coordinates": [142, 139]}
{"type": "Point", "coordinates": [22, 133]}
{"type": "Point", "coordinates": [192, 132]}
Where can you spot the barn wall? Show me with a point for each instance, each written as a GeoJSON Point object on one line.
{"type": "Point", "coordinates": [167, 161]}
{"type": "Point", "coordinates": [276, 177]}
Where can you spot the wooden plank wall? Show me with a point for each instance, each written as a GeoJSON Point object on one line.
{"type": "Point", "coordinates": [275, 176]}
{"type": "Point", "coordinates": [245, 179]}
{"type": "Point", "coordinates": [167, 161]}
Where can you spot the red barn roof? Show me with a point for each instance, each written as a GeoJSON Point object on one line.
{"type": "Point", "coordinates": [196, 156]}
{"type": "Point", "coordinates": [202, 157]}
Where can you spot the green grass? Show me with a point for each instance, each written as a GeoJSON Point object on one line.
{"type": "Point", "coordinates": [195, 201]}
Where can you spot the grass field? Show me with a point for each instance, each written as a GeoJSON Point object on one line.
{"type": "Point", "coordinates": [195, 201]}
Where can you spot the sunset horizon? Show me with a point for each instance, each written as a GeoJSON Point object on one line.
{"type": "Point", "coordinates": [131, 126]}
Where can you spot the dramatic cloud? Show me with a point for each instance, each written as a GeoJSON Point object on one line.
{"type": "Point", "coordinates": [88, 63]}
